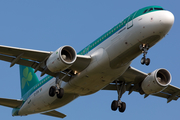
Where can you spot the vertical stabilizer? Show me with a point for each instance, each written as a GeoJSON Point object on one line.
{"type": "Point", "coordinates": [28, 79]}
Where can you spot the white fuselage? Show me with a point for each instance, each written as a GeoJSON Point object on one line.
{"type": "Point", "coordinates": [110, 60]}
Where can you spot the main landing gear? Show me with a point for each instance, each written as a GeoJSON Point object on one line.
{"type": "Point", "coordinates": [118, 103]}
{"type": "Point", "coordinates": [144, 48]}
{"type": "Point", "coordinates": [57, 89]}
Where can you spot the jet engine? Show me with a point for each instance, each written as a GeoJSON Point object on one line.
{"type": "Point", "coordinates": [156, 81]}
{"type": "Point", "coordinates": [61, 59]}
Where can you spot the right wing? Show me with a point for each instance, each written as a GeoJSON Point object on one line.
{"type": "Point", "coordinates": [133, 78]}
{"type": "Point", "coordinates": [171, 93]}
{"type": "Point", "coordinates": [36, 59]}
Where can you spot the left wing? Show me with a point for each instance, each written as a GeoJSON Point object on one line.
{"type": "Point", "coordinates": [37, 59]}
{"type": "Point", "coordinates": [133, 78]}
{"type": "Point", "coordinates": [54, 113]}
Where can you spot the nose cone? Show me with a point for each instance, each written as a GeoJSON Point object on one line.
{"type": "Point", "coordinates": [167, 19]}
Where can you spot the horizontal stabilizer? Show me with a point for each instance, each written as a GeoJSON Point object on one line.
{"type": "Point", "coordinates": [12, 103]}
{"type": "Point", "coordinates": [54, 113]}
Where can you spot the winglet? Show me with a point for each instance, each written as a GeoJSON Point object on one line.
{"type": "Point", "coordinates": [54, 113]}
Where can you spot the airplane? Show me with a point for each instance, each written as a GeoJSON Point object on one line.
{"type": "Point", "coordinates": [105, 64]}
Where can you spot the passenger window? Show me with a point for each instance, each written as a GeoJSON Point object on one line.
{"type": "Point", "coordinates": [150, 9]}
{"type": "Point", "coordinates": [145, 11]}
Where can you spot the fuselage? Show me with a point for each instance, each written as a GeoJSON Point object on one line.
{"type": "Point", "coordinates": [111, 54]}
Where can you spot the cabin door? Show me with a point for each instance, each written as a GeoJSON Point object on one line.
{"type": "Point", "coordinates": [130, 22]}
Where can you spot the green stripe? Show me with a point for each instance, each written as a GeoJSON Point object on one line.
{"type": "Point", "coordinates": [116, 28]}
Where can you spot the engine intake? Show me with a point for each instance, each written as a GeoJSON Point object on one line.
{"type": "Point", "coordinates": [157, 81]}
{"type": "Point", "coordinates": [61, 59]}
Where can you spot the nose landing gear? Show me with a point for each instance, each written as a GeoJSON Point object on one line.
{"type": "Point", "coordinates": [144, 48]}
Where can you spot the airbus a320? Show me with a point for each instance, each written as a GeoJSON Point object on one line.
{"type": "Point", "coordinates": [105, 64]}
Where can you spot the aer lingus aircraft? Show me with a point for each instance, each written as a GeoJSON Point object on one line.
{"type": "Point", "coordinates": [102, 65]}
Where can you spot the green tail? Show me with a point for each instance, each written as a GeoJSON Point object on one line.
{"type": "Point", "coordinates": [28, 79]}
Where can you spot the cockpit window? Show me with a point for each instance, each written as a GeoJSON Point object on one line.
{"type": "Point", "coordinates": [150, 9]}
{"type": "Point", "coordinates": [145, 11]}
{"type": "Point", "coordinates": [158, 9]}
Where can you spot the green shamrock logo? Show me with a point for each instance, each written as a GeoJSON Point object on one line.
{"type": "Point", "coordinates": [27, 77]}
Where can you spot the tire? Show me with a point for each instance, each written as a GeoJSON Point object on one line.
{"type": "Point", "coordinates": [123, 107]}
{"type": "Point", "coordinates": [61, 93]}
{"type": "Point", "coordinates": [147, 46]}
{"type": "Point", "coordinates": [114, 105]}
{"type": "Point", "coordinates": [147, 61]}
{"type": "Point", "coordinates": [141, 47]}
{"type": "Point", "coordinates": [52, 91]}
{"type": "Point", "coordinates": [143, 60]}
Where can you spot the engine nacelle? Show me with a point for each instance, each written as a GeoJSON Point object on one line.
{"type": "Point", "coordinates": [157, 81]}
{"type": "Point", "coordinates": [61, 59]}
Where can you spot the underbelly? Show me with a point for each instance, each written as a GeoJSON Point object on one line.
{"type": "Point", "coordinates": [94, 80]}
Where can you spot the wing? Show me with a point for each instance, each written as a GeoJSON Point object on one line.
{"type": "Point", "coordinates": [10, 102]}
{"type": "Point", "coordinates": [133, 78]}
{"type": "Point", "coordinates": [36, 59]}
{"type": "Point", "coordinates": [54, 113]}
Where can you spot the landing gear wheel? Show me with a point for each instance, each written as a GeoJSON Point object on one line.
{"type": "Point", "coordinates": [122, 108]}
{"type": "Point", "coordinates": [114, 105]}
{"type": "Point", "coordinates": [141, 47]}
{"type": "Point", "coordinates": [147, 46]}
{"type": "Point", "coordinates": [147, 61]}
{"type": "Point", "coordinates": [60, 93]}
{"type": "Point", "coordinates": [52, 91]}
{"type": "Point", "coordinates": [143, 60]}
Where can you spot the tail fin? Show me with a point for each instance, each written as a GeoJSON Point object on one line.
{"type": "Point", "coordinates": [28, 79]}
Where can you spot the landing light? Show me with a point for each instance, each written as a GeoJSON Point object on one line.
{"type": "Point", "coordinates": [75, 72]}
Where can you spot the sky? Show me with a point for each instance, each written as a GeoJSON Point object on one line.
{"type": "Point", "coordinates": [49, 24]}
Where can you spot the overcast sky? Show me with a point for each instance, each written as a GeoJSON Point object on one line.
{"type": "Point", "coordinates": [49, 24]}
